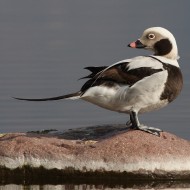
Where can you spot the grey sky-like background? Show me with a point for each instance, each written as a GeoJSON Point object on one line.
{"type": "Point", "coordinates": [44, 46]}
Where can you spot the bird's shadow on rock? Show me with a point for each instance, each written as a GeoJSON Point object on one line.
{"type": "Point", "coordinates": [83, 133]}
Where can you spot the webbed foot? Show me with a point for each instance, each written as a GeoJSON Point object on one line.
{"type": "Point", "coordinates": [134, 123]}
{"type": "Point", "coordinates": [151, 130]}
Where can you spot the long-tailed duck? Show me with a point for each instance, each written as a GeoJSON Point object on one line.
{"type": "Point", "coordinates": [137, 85]}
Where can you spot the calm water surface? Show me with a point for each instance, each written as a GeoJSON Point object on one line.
{"type": "Point", "coordinates": [44, 46]}
{"type": "Point", "coordinates": [82, 187]}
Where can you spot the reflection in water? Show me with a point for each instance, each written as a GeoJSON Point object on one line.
{"type": "Point", "coordinates": [91, 187]}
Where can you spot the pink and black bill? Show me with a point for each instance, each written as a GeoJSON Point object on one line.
{"type": "Point", "coordinates": [136, 44]}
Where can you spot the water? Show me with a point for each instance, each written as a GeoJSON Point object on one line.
{"type": "Point", "coordinates": [86, 187]}
{"type": "Point", "coordinates": [44, 46]}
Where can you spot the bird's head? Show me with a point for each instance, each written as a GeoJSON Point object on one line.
{"type": "Point", "coordinates": [159, 40]}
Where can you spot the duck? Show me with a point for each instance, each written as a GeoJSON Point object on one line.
{"type": "Point", "coordinates": [137, 85]}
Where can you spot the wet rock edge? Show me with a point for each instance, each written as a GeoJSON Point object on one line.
{"type": "Point", "coordinates": [41, 175]}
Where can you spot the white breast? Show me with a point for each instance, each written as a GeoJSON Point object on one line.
{"type": "Point", "coordinates": [144, 95]}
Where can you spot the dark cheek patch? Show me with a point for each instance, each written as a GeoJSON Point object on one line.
{"type": "Point", "coordinates": [163, 47]}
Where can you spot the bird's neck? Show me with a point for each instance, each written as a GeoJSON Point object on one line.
{"type": "Point", "coordinates": [173, 54]}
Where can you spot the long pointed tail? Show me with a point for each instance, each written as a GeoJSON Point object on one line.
{"type": "Point", "coordinates": [75, 95]}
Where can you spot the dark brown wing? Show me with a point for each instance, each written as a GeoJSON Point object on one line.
{"type": "Point", "coordinates": [94, 70]}
{"type": "Point", "coordinates": [118, 74]}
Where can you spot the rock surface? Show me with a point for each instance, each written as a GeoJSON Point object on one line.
{"type": "Point", "coordinates": [100, 150]}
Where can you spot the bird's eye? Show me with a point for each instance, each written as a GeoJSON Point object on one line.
{"type": "Point", "coordinates": [151, 36]}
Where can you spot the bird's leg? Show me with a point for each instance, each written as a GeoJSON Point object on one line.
{"type": "Point", "coordinates": [129, 123]}
{"type": "Point", "coordinates": [136, 125]}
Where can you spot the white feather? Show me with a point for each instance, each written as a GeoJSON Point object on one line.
{"type": "Point", "coordinates": [142, 61]}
